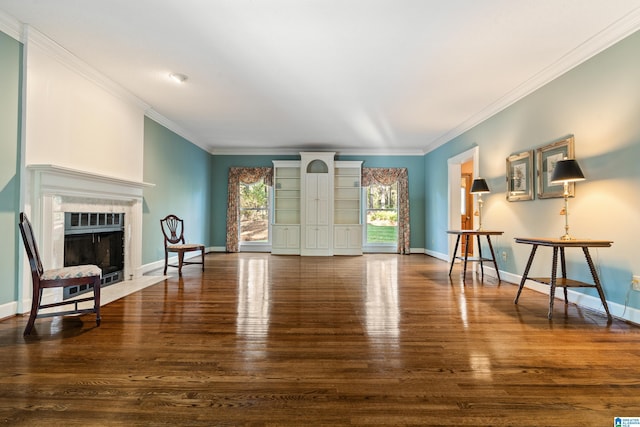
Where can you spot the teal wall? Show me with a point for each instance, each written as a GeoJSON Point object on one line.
{"type": "Point", "coordinates": [10, 106]}
{"type": "Point", "coordinates": [182, 176]}
{"type": "Point", "coordinates": [221, 165]}
{"type": "Point", "coordinates": [599, 103]}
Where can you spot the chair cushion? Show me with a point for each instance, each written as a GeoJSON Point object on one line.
{"type": "Point", "coordinates": [187, 247]}
{"type": "Point", "coordinates": [71, 272]}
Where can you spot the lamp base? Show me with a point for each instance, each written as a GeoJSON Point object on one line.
{"type": "Point", "coordinates": [567, 237]}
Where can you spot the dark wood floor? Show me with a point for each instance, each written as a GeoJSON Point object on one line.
{"type": "Point", "coordinates": [276, 340]}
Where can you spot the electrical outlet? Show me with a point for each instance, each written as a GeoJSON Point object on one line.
{"type": "Point", "coordinates": [504, 256]}
{"type": "Point", "coordinates": [635, 283]}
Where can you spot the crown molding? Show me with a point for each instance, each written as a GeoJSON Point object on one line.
{"type": "Point", "coordinates": [296, 151]}
{"type": "Point", "coordinates": [10, 26]}
{"type": "Point", "coordinates": [34, 37]}
{"type": "Point", "coordinates": [606, 38]}
{"type": "Point", "coordinates": [175, 128]}
{"type": "Point", "coordinates": [77, 65]}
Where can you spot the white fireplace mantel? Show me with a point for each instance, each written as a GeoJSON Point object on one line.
{"type": "Point", "coordinates": [54, 190]}
{"type": "Point", "coordinates": [67, 181]}
{"type": "Point", "coordinates": [57, 189]}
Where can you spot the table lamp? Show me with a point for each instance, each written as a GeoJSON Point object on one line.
{"type": "Point", "coordinates": [566, 171]}
{"type": "Point", "coordinates": [479, 187]}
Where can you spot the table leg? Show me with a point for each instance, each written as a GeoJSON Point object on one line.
{"type": "Point", "coordinates": [493, 257]}
{"type": "Point", "coordinates": [534, 248]}
{"type": "Point", "coordinates": [466, 253]}
{"type": "Point", "coordinates": [480, 257]}
{"type": "Point", "coordinates": [552, 289]}
{"type": "Point", "coordinates": [563, 265]}
{"type": "Point", "coordinates": [596, 280]}
{"type": "Point", "coordinates": [453, 257]}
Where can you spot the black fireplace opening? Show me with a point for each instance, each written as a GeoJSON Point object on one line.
{"type": "Point", "coordinates": [94, 238]}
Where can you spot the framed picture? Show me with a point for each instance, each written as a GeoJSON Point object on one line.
{"type": "Point", "coordinates": [520, 176]}
{"type": "Point", "coordinates": [547, 158]}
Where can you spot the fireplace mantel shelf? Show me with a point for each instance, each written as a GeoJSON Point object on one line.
{"type": "Point", "coordinates": [78, 174]}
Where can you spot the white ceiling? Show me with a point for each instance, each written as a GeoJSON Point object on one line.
{"type": "Point", "coordinates": [356, 76]}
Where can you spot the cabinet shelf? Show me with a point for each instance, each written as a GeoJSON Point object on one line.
{"type": "Point", "coordinates": [347, 209]}
{"type": "Point", "coordinates": [287, 193]}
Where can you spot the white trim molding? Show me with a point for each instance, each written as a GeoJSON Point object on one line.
{"type": "Point", "coordinates": [596, 44]}
{"type": "Point", "coordinates": [54, 190]}
{"type": "Point", "coordinates": [581, 300]}
{"type": "Point", "coordinates": [10, 26]}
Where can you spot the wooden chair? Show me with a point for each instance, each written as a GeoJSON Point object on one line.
{"type": "Point", "coordinates": [173, 230]}
{"type": "Point", "coordinates": [57, 278]}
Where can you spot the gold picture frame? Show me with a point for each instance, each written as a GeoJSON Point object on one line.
{"type": "Point", "coordinates": [547, 156]}
{"type": "Point", "coordinates": [520, 176]}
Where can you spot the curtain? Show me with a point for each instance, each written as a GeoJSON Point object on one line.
{"type": "Point", "coordinates": [389, 176]}
{"type": "Point", "coordinates": [236, 176]}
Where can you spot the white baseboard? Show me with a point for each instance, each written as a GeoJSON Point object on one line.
{"type": "Point", "coordinates": [439, 255]}
{"type": "Point", "coordinates": [9, 309]}
{"type": "Point", "coordinates": [590, 302]}
{"type": "Point", "coordinates": [157, 265]}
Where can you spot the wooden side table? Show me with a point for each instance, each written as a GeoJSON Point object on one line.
{"type": "Point", "coordinates": [466, 234]}
{"type": "Point", "coordinates": [553, 282]}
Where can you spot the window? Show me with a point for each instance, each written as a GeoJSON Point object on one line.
{"type": "Point", "coordinates": [254, 213]}
{"type": "Point", "coordinates": [381, 215]}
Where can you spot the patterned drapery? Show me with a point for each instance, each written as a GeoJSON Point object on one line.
{"type": "Point", "coordinates": [388, 176]}
{"type": "Point", "coordinates": [236, 176]}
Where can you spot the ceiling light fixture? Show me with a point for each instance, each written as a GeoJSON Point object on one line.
{"type": "Point", "coordinates": [178, 78]}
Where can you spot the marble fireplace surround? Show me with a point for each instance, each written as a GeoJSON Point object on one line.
{"type": "Point", "coordinates": [56, 190]}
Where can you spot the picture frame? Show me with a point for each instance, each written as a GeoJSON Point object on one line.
{"type": "Point", "coordinates": [547, 156]}
{"type": "Point", "coordinates": [520, 176]}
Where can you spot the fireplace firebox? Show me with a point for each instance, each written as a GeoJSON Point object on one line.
{"type": "Point", "coordinates": [94, 238]}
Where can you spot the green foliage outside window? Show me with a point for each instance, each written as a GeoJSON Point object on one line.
{"type": "Point", "coordinates": [254, 212]}
{"type": "Point", "coordinates": [382, 213]}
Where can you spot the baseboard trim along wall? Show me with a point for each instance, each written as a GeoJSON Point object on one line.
{"type": "Point", "coordinates": [589, 302]}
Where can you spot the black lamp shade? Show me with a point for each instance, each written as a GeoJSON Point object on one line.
{"type": "Point", "coordinates": [479, 186]}
{"type": "Point", "coordinates": [566, 170]}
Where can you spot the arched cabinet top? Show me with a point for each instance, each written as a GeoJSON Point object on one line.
{"type": "Point", "coordinates": [317, 166]}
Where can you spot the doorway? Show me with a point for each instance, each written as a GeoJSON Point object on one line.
{"type": "Point", "coordinates": [466, 208]}
{"type": "Point", "coordinates": [470, 160]}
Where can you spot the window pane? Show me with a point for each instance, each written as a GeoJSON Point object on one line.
{"type": "Point", "coordinates": [382, 214]}
{"type": "Point", "coordinates": [254, 212]}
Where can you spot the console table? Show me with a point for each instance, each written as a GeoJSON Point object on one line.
{"type": "Point", "coordinates": [466, 234]}
{"type": "Point", "coordinates": [559, 245]}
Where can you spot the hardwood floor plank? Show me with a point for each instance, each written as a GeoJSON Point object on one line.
{"type": "Point", "coordinates": [284, 340]}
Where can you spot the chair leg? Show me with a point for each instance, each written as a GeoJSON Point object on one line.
{"type": "Point", "coordinates": [166, 261]}
{"type": "Point", "coordinates": [96, 299]}
{"type": "Point", "coordinates": [202, 254]}
{"type": "Point", "coordinates": [35, 304]}
{"type": "Point", "coordinates": [180, 261]}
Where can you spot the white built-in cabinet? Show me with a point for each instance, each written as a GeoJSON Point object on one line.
{"type": "Point", "coordinates": [285, 229]}
{"type": "Point", "coordinates": [316, 171]}
{"type": "Point", "coordinates": [317, 206]}
{"type": "Point", "coordinates": [347, 229]}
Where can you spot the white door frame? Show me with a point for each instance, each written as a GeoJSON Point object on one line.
{"type": "Point", "coordinates": [455, 171]}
